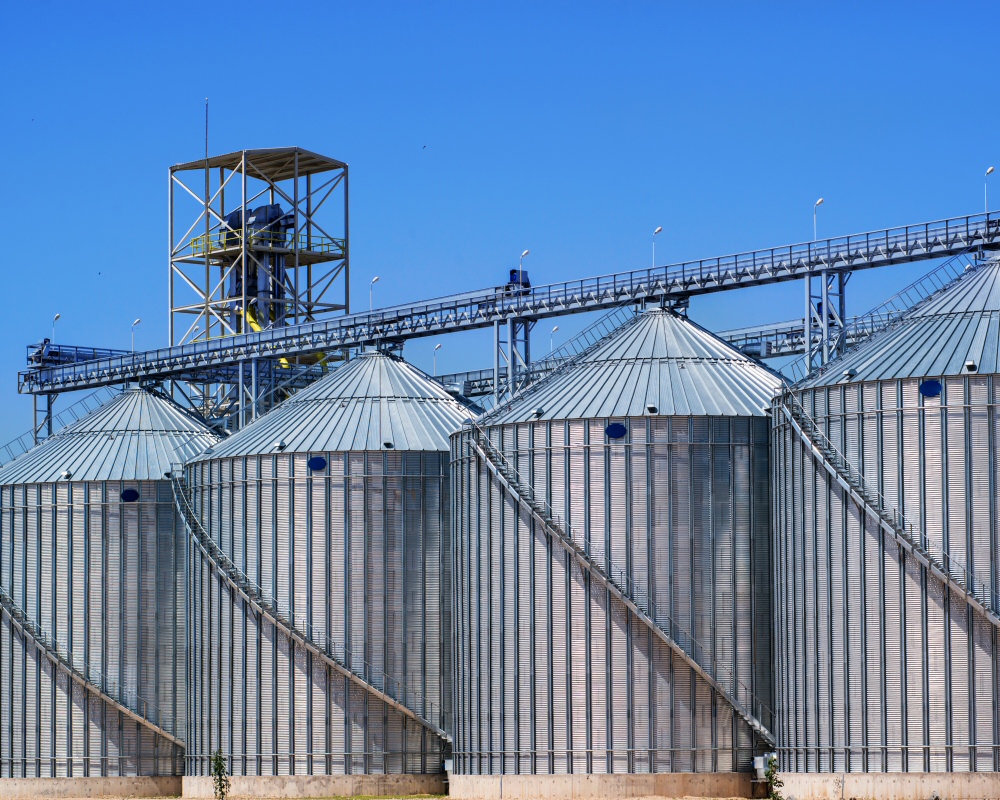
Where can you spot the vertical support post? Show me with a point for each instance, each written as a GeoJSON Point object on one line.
{"type": "Point", "coordinates": [34, 418]}
{"type": "Point", "coordinates": [497, 352]}
{"type": "Point", "coordinates": [48, 415]}
{"type": "Point", "coordinates": [511, 359]}
{"type": "Point", "coordinates": [253, 388]}
{"type": "Point", "coordinates": [241, 409]}
{"type": "Point", "coordinates": [297, 306]}
{"type": "Point", "coordinates": [825, 312]}
{"type": "Point", "coordinates": [347, 246]}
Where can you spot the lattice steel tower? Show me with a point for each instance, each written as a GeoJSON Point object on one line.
{"type": "Point", "coordinates": [258, 240]}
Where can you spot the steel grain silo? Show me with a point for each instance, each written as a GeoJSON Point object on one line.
{"type": "Point", "coordinates": [334, 510]}
{"type": "Point", "coordinates": [612, 564]}
{"type": "Point", "coordinates": [91, 582]}
{"type": "Point", "coordinates": [886, 472]}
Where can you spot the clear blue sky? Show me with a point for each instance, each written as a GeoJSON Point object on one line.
{"type": "Point", "coordinates": [572, 129]}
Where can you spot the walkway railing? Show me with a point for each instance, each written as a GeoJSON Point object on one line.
{"type": "Point", "coordinates": [68, 415]}
{"type": "Point", "coordinates": [619, 582]}
{"type": "Point", "coordinates": [913, 539]}
{"type": "Point", "coordinates": [79, 670]}
{"type": "Point", "coordinates": [352, 664]}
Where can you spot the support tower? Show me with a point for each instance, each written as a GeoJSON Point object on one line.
{"type": "Point", "coordinates": [258, 241]}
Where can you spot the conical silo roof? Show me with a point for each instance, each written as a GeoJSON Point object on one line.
{"type": "Point", "coordinates": [135, 436]}
{"type": "Point", "coordinates": [661, 360]}
{"type": "Point", "coordinates": [939, 336]}
{"type": "Point", "coordinates": [373, 400]}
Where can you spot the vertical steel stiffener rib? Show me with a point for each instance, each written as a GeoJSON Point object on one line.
{"type": "Point", "coordinates": [633, 600]}
{"type": "Point", "coordinates": [937, 560]}
{"type": "Point", "coordinates": [252, 594]}
{"type": "Point", "coordinates": [49, 648]}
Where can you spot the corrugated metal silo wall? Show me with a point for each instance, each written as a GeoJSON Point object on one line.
{"type": "Point", "coordinates": [554, 676]}
{"type": "Point", "coordinates": [880, 667]}
{"type": "Point", "coordinates": [104, 578]}
{"type": "Point", "coordinates": [358, 551]}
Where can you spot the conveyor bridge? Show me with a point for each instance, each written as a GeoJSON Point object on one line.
{"type": "Point", "coordinates": [502, 306]}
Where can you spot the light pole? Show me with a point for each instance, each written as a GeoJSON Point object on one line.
{"type": "Point", "coordinates": [436, 348]}
{"type": "Point", "coordinates": [520, 265]}
{"type": "Point", "coordinates": [986, 191]}
{"type": "Point", "coordinates": [658, 229]}
{"type": "Point", "coordinates": [551, 334]}
{"type": "Point", "coordinates": [133, 333]}
{"type": "Point", "coordinates": [816, 205]}
{"type": "Point", "coordinates": [55, 319]}
{"type": "Point", "coordinates": [371, 286]}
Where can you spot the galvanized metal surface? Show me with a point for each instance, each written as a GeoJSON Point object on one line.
{"type": "Point", "coordinates": [133, 437]}
{"type": "Point", "coordinates": [374, 402]}
{"type": "Point", "coordinates": [659, 364]}
{"type": "Point", "coordinates": [101, 575]}
{"type": "Point", "coordinates": [359, 549]}
{"type": "Point", "coordinates": [357, 546]}
{"type": "Point", "coordinates": [882, 667]}
{"type": "Point", "coordinates": [553, 674]}
{"type": "Point", "coordinates": [104, 577]}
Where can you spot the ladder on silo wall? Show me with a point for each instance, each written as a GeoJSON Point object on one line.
{"type": "Point", "coordinates": [90, 679]}
{"type": "Point", "coordinates": [619, 585]}
{"type": "Point", "coordinates": [375, 682]}
{"type": "Point", "coordinates": [936, 559]}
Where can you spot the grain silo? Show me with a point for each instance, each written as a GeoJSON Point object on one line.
{"type": "Point", "coordinates": [612, 572]}
{"type": "Point", "coordinates": [91, 582]}
{"type": "Point", "coordinates": [319, 632]}
{"type": "Point", "coordinates": [886, 537]}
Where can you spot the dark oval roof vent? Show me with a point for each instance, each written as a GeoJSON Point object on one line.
{"type": "Point", "coordinates": [616, 431]}
{"type": "Point", "coordinates": [930, 388]}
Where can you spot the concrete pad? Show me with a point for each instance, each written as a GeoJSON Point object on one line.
{"type": "Point", "coordinates": [891, 786]}
{"type": "Point", "coordinates": [599, 787]}
{"type": "Point", "coordinates": [83, 788]}
{"type": "Point", "coordinates": [296, 786]}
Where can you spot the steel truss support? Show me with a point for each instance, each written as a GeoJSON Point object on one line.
{"type": "Point", "coordinates": [511, 356]}
{"type": "Point", "coordinates": [42, 426]}
{"type": "Point", "coordinates": [259, 240]}
{"type": "Point", "coordinates": [825, 317]}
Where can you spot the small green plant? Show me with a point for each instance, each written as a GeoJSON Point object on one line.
{"type": "Point", "coordinates": [774, 782]}
{"type": "Point", "coordinates": [220, 775]}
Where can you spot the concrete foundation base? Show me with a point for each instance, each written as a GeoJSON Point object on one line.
{"type": "Point", "coordinates": [891, 786]}
{"type": "Point", "coordinates": [11, 788]}
{"type": "Point", "coordinates": [599, 787]}
{"type": "Point", "coordinates": [319, 785]}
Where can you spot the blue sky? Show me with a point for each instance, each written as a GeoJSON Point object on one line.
{"type": "Point", "coordinates": [572, 129]}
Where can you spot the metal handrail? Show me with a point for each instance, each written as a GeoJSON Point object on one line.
{"type": "Point", "coordinates": [619, 581]}
{"type": "Point", "coordinates": [91, 678]}
{"type": "Point", "coordinates": [887, 315]}
{"type": "Point", "coordinates": [353, 665]}
{"type": "Point", "coordinates": [913, 539]}
{"type": "Point", "coordinates": [222, 240]}
{"type": "Point", "coordinates": [23, 443]}
{"type": "Point", "coordinates": [610, 323]}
